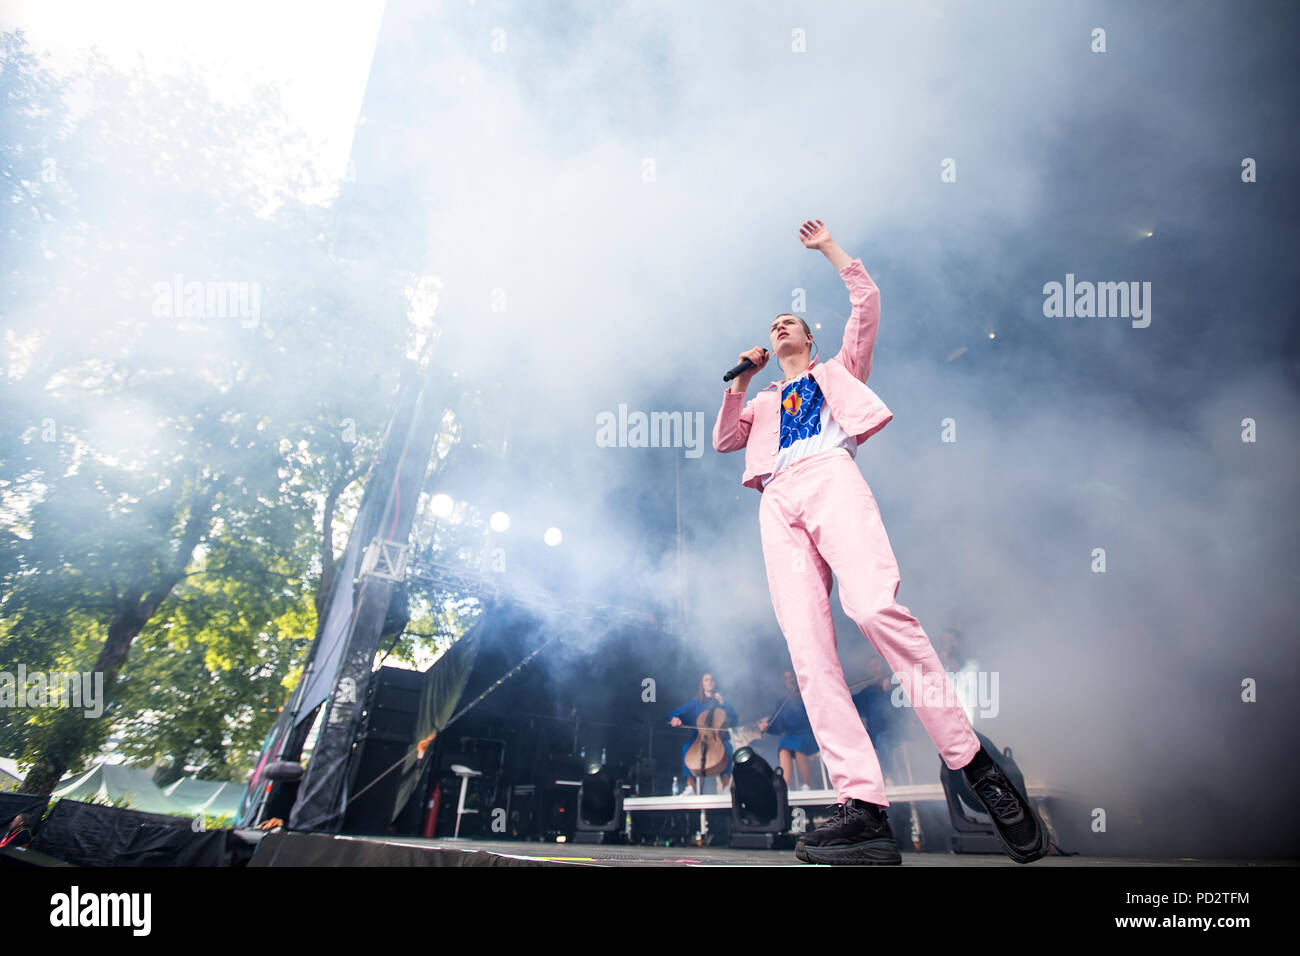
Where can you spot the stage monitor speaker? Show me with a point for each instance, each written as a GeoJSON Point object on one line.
{"type": "Point", "coordinates": [386, 735]}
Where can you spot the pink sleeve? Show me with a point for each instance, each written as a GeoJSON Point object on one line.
{"type": "Point", "coordinates": [731, 431]}
{"type": "Point", "coordinates": [860, 332]}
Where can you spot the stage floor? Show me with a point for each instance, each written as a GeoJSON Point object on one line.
{"type": "Point", "coordinates": [616, 855]}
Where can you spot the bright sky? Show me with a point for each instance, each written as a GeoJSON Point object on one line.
{"type": "Point", "coordinates": [317, 51]}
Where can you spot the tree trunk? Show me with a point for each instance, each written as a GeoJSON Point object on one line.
{"type": "Point", "coordinates": [72, 733]}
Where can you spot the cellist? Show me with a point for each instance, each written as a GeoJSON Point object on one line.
{"type": "Point", "coordinates": [707, 698]}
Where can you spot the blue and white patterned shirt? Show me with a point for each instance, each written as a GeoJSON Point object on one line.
{"type": "Point", "coordinates": [807, 426]}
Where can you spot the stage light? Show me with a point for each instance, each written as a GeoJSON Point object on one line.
{"type": "Point", "coordinates": [600, 806]}
{"type": "Point", "coordinates": [760, 810]}
{"type": "Point", "coordinates": [753, 786]}
{"type": "Point", "coordinates": [441, 505]}
{"type": "Point", "coordinates": [552, 536]}
{"type": "Point", "coordinates": [499, 521]}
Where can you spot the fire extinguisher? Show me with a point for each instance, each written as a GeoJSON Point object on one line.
{"type": "Point", "coordinates": [431, 820]}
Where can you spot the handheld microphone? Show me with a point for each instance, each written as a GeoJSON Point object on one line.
{"type": "Point", "coordinates": [744, 366]}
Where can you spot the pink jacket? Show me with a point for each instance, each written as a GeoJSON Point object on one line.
{"type": "Point", "coordinates": [842, 379]}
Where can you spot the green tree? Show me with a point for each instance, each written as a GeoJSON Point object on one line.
{"type": "Point", "coordinates": [164, 461]}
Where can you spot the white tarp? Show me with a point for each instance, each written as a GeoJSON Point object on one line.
{"type": "Point", "coordinates": [109, 783]}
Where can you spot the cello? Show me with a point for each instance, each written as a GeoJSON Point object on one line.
{"type": "Point", "coordinates": [707, 756]}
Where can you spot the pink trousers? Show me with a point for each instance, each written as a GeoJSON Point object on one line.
{"type": "Point", "coordinates": [816, 517]}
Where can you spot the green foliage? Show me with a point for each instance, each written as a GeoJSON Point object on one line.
{"type": "Point", "coordinates": [165, 473]}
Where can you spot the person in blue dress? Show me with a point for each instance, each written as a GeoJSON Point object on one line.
{"type": "Point", "coordinates": [707, 697]}
{"type": "Point", "coordinates": [790, 723]}
{"type": "Point", "coordinates": [882, 719]}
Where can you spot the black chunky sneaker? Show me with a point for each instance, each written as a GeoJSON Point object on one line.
{"type": "Point", "coordinates": [1016, 823]}
{"type": "Point", "coordinates": [858, 834]}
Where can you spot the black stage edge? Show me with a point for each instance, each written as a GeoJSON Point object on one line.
{"type": "Point", "coordinates": [310, 849]}
{"type": "Point", "coordinates": [317, 849]}
{"type": "Point", "coordinates": [91, 835]}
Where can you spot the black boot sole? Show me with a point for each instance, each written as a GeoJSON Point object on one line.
{"type": "Point", "coordinates": [878, 852]}
{"type": "Point", "coordinates": [1039, 849]}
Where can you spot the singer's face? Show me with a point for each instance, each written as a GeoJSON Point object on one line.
{"type": "Point", "coordinates": [788, 336]}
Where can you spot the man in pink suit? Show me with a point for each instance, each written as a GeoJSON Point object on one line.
{"type": "Point", "coordinates": [817, 516]}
